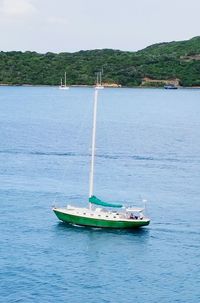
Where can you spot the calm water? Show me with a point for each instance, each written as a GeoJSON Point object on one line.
{"type": "Point", "coordinates": [148, 146]}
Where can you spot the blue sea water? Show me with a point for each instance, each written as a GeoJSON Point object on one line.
{"type": "Point", "coordinates": [148, 147]}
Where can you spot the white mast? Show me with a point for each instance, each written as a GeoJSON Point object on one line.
{"type": "Point", "coordinates": [100, 78]}
{"type": "Point", "coordinates": [97, 79]}
{"type": "Point", "coordinates": [93, 145]}
{"type": "Point", "coordinates": [65, 79]}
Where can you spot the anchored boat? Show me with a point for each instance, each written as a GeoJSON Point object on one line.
{"type": "Point", "coordinates": [99, 213]}
{"type": "Point", "coordinates": [99, 81]}
{"type": "Point", "coordinates": [63, 86]}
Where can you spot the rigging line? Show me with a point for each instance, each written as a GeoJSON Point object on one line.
{"type": "Point", "coordinates": [77, 140]}
{"type": "Point", "coordinates": [104, 141]}
{"type": "Point", "coordinates": [110, 147]}
{"type": "Point", "coordinates": [79, 135]}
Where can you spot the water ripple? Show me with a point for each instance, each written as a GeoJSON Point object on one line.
{"type": "Point", "coordinates": [112, 156]}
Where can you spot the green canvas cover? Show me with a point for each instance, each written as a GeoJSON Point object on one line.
{"type": "Point", "coordinates": [97, 201]}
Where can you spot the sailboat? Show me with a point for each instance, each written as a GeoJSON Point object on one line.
{"type": "Point", "coordinates": [99, 81]}
{"type": "Point", "coordinates": [99, 213]}
{"type": "Point", "coordinates": [63, 86]}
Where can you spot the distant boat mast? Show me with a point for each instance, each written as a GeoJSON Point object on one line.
{"type": "Point", "coordinates": [65, 84]}
{"type": "Point", "coordinates": [99, 80]}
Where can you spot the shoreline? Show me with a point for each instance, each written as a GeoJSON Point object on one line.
{"type": "Point", "coordinates": [92, 86]}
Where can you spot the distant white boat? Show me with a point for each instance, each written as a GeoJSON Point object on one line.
{"type": "Point", "coordinates": [63, 86]}
{"type": "Point", "coordinates": [99, 81]}
{"type": "Point", "coordinates": [170, 86]}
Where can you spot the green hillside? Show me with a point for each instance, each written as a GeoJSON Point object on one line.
{"type": "Point", "coordinates": [163, 61]}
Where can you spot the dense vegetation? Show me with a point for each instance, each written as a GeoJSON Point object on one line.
{"type": "Point", "coordinates": [160, 61]}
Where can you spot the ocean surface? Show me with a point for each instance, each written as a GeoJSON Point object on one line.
{"type": "Point", "coordinates": [148, 147]}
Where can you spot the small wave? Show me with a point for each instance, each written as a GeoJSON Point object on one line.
{"type": "Point", "coordinates": [41, 153]}
{"type": "Point", "coordinates": [108, 157]}
{"type": "Point", "coordinates": [76, 225]}
{"type": "Point", "coordinates": [71, 154]}
{"type": "Point", "coordinates": [103, 156]}
{"type": "Point", "coordinates": [149, 158]}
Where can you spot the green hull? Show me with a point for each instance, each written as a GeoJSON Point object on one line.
{"type": "Point", "coordinates": [92, 222]}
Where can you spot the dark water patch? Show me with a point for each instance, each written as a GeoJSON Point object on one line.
{"type": "Point", "coordinates": [187, 230]}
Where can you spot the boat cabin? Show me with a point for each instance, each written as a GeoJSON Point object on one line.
{"type": "Point", "coordinates": [135, 213]}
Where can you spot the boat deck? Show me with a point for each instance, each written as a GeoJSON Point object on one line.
{"type": "Point", "coordinates": [101, 214]}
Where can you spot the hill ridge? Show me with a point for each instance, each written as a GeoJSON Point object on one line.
{"type": "Point", "coordinates": [161, 61]}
